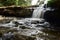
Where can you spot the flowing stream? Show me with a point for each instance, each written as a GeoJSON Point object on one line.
{"type": "Point", "coordinates": [39, 11]}
{"type": "Point", "coordinates": [30, 27]}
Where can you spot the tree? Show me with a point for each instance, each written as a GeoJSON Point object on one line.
{"type": "Point", "coordinates": [54, 3]}
{"type": "Point", "coordinates": [7, 2]}
{"type": "Point", "coordinates": [15, 2]}
{"type": "Point", "coordinates": [24, 2]}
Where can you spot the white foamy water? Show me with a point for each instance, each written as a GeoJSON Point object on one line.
{"type": "Point", "coordinates": [39, 12]}
{"type": "Point", "coordinates": [34, 2]}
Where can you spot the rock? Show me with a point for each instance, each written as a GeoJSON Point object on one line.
{"type": "Point", "coordinates": [8, 36]}
{"type": "Point", "coordinates": [16, 11]}
{"type": "Point", "coordinates": [23, 37]}
{"type": "Point", "coordinates": [53, 17]}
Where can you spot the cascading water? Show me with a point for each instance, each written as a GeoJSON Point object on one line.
{"type": "Point", "coordinates": [28, 26]}
{"type": "Point", "coordinates": [39, 12]}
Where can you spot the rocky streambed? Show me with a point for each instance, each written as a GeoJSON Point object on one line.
{"type": "Point", "coordinates": [27, 29]}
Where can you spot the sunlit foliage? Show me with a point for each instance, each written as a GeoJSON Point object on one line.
{"type": "Point", "coordinates": [15, 2]}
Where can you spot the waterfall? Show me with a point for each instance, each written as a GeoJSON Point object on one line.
{"type": "Point", "coordinates": [39, 11]}
{"type": "Point", "coordinates": [34, 2]}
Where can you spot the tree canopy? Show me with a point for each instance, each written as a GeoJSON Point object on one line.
{"type": "Point", "coordinates": [27, 2]}
{"type": "Point", "coordinates": [15, 2]}
{"type": "Point", "coordinates": [54, 3]}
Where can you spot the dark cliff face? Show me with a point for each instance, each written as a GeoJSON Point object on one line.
{"type": "Point", "coordinates": [53, 17]}
{"type": "Point", "coordinates": [16, 12]}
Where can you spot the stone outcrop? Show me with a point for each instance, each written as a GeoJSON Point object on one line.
{"type": "Point", "coordinates": [16, 11]}
{"type": "Point", "coordinates": [53, 17]}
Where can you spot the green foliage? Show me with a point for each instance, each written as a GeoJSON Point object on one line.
{"type": "Point", "coordinates": [54, 3]}
{"type": "Point", "coordinates": [24, 3]}
{"type": "Point", "coordinates": [7, 2]}
{"type": "Point", "coordinates": [15, 2]}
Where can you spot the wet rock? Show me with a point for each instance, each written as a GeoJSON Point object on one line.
{"type": "Point", "coordinates": [16, 11]}
{"type": "Point", "coordinates": [27, 31]}
{"type": "Point", "coordinates": [53, 18]}
{"type": "Point", "coordinates": [8, 36]}
{"type": "Point", "coordinates": [27, 22]}
{"type": "Point", "coordinates": [24, 27]}
{"type": "Point", "coordinates": [23, 37]}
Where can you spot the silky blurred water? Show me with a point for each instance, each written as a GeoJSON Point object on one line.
{"type": "Point", "coordinates": [34, 27]}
